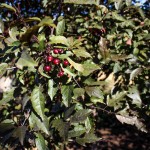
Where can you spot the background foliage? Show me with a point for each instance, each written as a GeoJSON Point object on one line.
{"type": "Point", "coordinates": [107, 47]}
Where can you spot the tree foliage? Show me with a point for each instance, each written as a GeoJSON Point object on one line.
{"type": "Point", "coordinates": [106, 54]}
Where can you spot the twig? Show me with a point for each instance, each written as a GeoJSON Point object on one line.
{"type": "Point", "coordinates": [76, 82]}
{"type": "Point", "coordinates": [11, 68]}
{"type": "Point", "coordinates": [26, 118]}
{"type": "Point", "coordinates": [103, 109]}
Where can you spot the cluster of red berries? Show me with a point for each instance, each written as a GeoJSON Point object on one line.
{"type": "Point", "coordinates": [56, 62]}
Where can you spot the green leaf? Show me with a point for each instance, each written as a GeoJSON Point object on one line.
{"type": "Point", "coordinates": [66, 92]}
{"type": "Point", "coordinates": [88, 138]}
{"type": "Point", "coordinates": [3, 69]}
{"type": "Point", "coordinates": [44, 2]}
{"type": "Point", "coordinates": [59, 40]}
{"type": "Point", "coordinates": [81, 52]}
{"type": "Point", "coordinates": [28, 33]}
{"type": "Point", "coordinates": [77, 66]}
{"type": "Point", "coordinates": [32, 19]}
{"type": "Point", "coordinates": [20, 132]}
{"type": "Point", "coordinates": [135, 96]}
{"type": "Point", "coordinates": [3, 5]}
{"type": "Point", "coordinates": [128, 2]}
{"type": "Point", "coordinates": [116, 68]}
{"type": "Point", "coordinates": [96, 100]}
{"type": "Point", "coordinates": [85, 2]}
{"type": "Point", "coordinates": [118, 4]}
{"type": "Point", "coordinates": [88, 125]}
{"type": "Point", "coordinates": [60, 27]}
{"type": "Point", "coordinates": [117, 16]}
{"type": "Point", "coordinates": [36, 122]}
{"type": "Point", "coordinates": [132, 120]}
{"type": "Point", "coordinates": [135, 72]}
{"type": "Point", "coordinates": [38, 101]}
{"type": "Point", "coordinates": [6, 125]}
{"type": "Point", "coordinates": [68, 112]}
{"type": "Point", "coordinates": [26, 61]}
{"type": "Point", "coordinates": [40, 142]}
{"type": "Point", "coordinates": [41, 71]}
{"type": "Point", "coordinates": [47, 21]}
{"type": "Point", "coordinates": [62, 127]}
{"type": "Point", "coordinates": [78, 92]}
{"type": "Point", "coordinates": [88, 68]}
{"type": "Point", "coordinates": [80, 116]}
{"type": "Point", "coordinates": [13, 32]}
{"type": "Point", "coordinates": [1, 26]}
{"type": "Point", "coordinates": [77, 131]}
{"type": "Point", "coordinates": [141, 12]}
{"type": "Point", "coordinates": [51, 90]}
{"type": "Point", "coordinates": [41, 39]}
{"type": "Point", "coordinates": [94, 91]}
{"type": "Point", "coordinates": [104, 52]}
{"type": "Point", "coordinates": [116, 99]}
{"type": "Point", "coordinates": [7, 96]}
{"type": "Point", "coordinates": [69, 71]}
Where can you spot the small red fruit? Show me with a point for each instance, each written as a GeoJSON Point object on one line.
{"type": "Point", "coordinates": [55, 51]}
{"type": "Point", "coordinates": [47, 68]}
{"type": "Point", "coordinates": [60, 51]}
{"type": "Point", "coordinates": [49, 58]}
{"type": "Point", "coordinates": [56, 61]}
{"type": "Point", "coordinates": [60, 74]}
{"type": "Point", "coordinates": [66, 63]}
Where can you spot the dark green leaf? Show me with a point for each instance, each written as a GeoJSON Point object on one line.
{"type": "Point", "coordinates": [135, 72]}
{"type": "Point", "coordinates": [51, 89]}
{"type": "Point", "coordinates": [88, 138]}
{"type": "Point", "coordinates": [1, 26]}
{"type": "Point", "coordinates": [38, 101]}
{"type": "Point", "coordinates": [40, 142]}
{"type": "Point", "coordinates": [68, 112]}
{"type": "Point", "coordinates": [36, 123]}
{"type": "Point", "coordinates": [6, 125]}
{"type": "Point", "coordinates": [3, 69]}
{"type": "Point", "coordinates": [78, 92]}
{"type": "Point", "coordinates": [135, 96]}
{"type": "Point", "coordinates": [20, 132]}
{"type": "Point", "coordinates": [80, 116]}
{"type": "Point", "coordinates": [116, 99]}
{"type": "Point", "coordinates": [66, 92]}
{"type": "Point", "coordinates": [62, 127]}
{"type": "Point", "coordinates": [7, 96]}
{"type": "Point", "coordinates": [77, 131]}
{"type": "Point", "coordinates": [94, 91]}
{"type": "Point", "coordinates": [26, 61]}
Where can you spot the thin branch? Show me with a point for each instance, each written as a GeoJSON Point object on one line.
{"type": "Point", "coordinates": [11, 68]}
{"type": "Point", "coordinates": [76, 82]}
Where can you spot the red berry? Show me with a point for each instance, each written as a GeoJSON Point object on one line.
{"type": "Point", "coordinates": [56, 61]}
{"type": "Point", "coordinates": [66, 63]}
{"type": "Point", "coordinates": [49, 58]}
{"type": "Point", "coordinates": [60, 74]}
{"type": "Point", "coordinates": [56, 51]}
{"type": "Point", "coordinates": [60, 51]}
{"type": "Point", "coordinates": [47, 68]}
